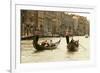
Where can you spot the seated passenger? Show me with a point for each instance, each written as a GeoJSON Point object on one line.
{"type": "Point", "coordinates": [51, 44]}
{"type": "Point", "coordinates": [45, 43]}
{"type": "Point", "coordinates": [72, 41]}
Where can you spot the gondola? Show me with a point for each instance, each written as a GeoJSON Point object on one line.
{"type": "Point", "coordinates": [41, 47]}
{"type": "Point", "coordinates": [72, 46]}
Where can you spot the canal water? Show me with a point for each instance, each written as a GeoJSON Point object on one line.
{"type": "Point", "coordinates": [28, 54]}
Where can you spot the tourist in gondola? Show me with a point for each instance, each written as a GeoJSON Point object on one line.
{"type": "Point", "coordinates": [72, 40]}
{"type": "Point", "coordinates": [51, 44]}
{"type": "Point", "coordinates": [45, 43]}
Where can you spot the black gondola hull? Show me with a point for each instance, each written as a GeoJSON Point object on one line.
{"type": "Point", "coordinates": [41, 47]}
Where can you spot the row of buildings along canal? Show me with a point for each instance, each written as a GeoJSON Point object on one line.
{"type": "Point", "coordinates": [52, 23]}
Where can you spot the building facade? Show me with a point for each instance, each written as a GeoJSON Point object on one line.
{"type": "Point", "coordinates": [52, 23]}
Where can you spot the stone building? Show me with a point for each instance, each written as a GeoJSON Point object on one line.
{"type": "Point", "coordinates": [28, 22]}
{"type": "Point", "coordinates": [67, 23]}
{"type": "Point", "coordinates": [47, 22]}
{"type": "Point", "coordinates": [83, 25]}
{"type": "Point", "coordinates": [52, 23]}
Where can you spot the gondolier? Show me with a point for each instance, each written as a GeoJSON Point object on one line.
{"type": "Point", "coordinates": [67, 37]}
